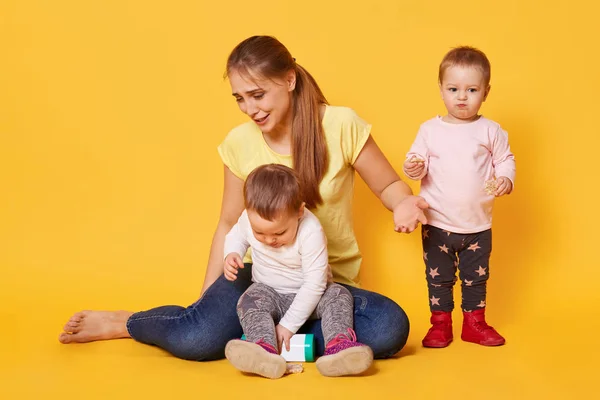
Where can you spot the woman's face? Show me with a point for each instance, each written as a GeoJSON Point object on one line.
{"type": "Point", "coordinates": [266, 101]}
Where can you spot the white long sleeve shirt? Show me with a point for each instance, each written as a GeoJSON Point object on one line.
{"type": "Point", "coordinates": [299, 267]}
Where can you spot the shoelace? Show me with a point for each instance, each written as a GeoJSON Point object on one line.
{"type": "Point", "coordinates": [482, 326]}
{"type": "Point", "coordinates": [341, 337]}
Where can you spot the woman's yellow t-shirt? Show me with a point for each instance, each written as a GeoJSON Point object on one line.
{"type": "Point", "coordinates": [346, 133]}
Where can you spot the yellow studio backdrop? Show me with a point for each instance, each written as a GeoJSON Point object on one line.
{"type": "Point", "coordinates": [110, 114]}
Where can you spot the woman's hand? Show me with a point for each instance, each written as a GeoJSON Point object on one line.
{"type": "Point", "coordinates": [408, 213]}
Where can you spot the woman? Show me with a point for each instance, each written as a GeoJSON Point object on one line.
{"type": "Point", "coordinates": [292, 125]}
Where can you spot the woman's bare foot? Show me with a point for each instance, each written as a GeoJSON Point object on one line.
{"type": "Point", "coordinates": [88, 326]}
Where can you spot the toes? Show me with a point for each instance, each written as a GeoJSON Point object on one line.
{"type": "Point", "coordinates": [73, 328]}
{"type": "Point", "coordinates": [75, 320]}
{"type": "Point", "coordinates": [73, 325]}
{"type": "Point", "coordinates": [79, 315]}
{"type": "Point", "coordinates": [65, 338]}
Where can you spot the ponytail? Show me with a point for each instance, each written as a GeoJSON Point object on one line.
{"type": "Point", "coordinates": [309, 147]}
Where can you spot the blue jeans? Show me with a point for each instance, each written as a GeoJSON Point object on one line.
{"type": "Point", "coordinates": [201, 331]}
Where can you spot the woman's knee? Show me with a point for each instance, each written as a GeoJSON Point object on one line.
{"type": "Point", "coordinates": [394, 330]}
{"type": "Point", "coordinates": [200, 332]}
{"type": "Point", "coordinates": [380, 322]}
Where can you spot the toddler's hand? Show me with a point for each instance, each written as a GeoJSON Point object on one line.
{"type": "Point", "coordinates": [233, 261]}
{"type": "Point", "coordinates": [504, 186]}
{"type": "Point", "coordinates": [283, 337]}
{"type": "Point", "coordinates": [329, 274]}
{"type": "Point", "coordinates": [414, 167]}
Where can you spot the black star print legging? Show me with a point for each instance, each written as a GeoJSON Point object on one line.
{"type": "Point", "coordinates": [444, 252]}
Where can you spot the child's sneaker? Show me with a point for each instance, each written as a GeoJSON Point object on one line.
{"type": "Point", "coordinates": [476, 330]}
{"type": "Point", "coordinates": [256, 358]}
{"type": "Point", "coordinates": [440, 333]}
{"type": "Point", "coordinates": [345, 356]}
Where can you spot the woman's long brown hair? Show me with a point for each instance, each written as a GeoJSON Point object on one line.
{"type": "Point", "coordinates": [266, 57]}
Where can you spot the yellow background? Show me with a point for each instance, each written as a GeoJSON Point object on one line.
{"type": "Point", "coordinates": [110, 114]}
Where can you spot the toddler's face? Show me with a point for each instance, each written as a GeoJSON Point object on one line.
{"type": "Point", "coordinates": [463, 90]}
{"type": "Point", "coordinates": [279, 232]}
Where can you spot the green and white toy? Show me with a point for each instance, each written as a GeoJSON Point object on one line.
{"type": "Point", "coordinates": [302, 348]}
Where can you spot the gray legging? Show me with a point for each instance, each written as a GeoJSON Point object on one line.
{"type": "Point", "coordinates": [260, 307]}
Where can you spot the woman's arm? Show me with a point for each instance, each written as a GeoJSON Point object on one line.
{"type": "Point", "coordinates": [395, 195]}
{"type": "Point", "coordinates": [231, 209]}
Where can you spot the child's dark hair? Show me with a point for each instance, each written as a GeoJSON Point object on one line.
{"type": "Point", "coordinates": [272, 190]}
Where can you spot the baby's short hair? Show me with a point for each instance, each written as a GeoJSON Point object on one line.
{"type": "Point", "coordinates": [466, 56]}
{"type": "Point", "coordinates": [272, 190]}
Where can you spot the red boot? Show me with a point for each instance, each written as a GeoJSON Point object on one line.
{"type": "Point", "coordinates": [440, 334]}
{"type": "Point", "coordinates": [476, 330]}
